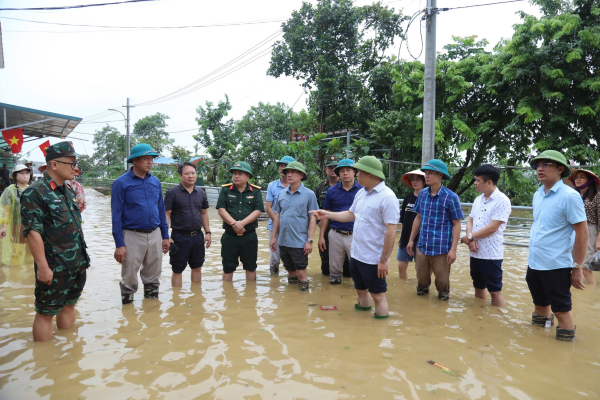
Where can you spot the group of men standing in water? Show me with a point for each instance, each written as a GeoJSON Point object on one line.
{"type": "Point", "coordinates": [357, 215]}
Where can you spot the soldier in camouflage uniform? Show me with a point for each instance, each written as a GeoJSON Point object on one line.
{"type": "Point", "coordinates": [52, 225]}
{"type": "Point", "coordinates": [321, 192]}
{"type": "Point", "coordinates": [239, 205]}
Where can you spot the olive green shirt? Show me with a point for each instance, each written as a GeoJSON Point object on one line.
{"type": "Point", "coordinates": [321, 191]}
{"type": "Point", "coordinates": [240, 205]}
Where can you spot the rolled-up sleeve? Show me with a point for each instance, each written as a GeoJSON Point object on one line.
{"type": "Point", "coordinates": [32, 212]}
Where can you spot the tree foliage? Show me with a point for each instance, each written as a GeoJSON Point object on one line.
{"type": "Point", "coordinates": [110, 146]}
{"type": "Point", "coordinates": [151, 130]}
{"type": "Point", "coordinates": [217, 136]}
{"type": "Point", "coordinates": [335, 49]}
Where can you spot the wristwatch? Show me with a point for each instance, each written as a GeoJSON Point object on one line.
{"type": "Point", "coordinates": [470, 236]}
{"type": "Point", "coordinates": [310, 241]}
{"type": "Point", "coordinates": [575, 265]}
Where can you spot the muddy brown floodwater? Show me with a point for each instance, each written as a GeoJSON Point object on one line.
{"type": "Point", "coordinates": [265, 339]}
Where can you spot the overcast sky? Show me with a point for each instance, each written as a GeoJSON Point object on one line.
{"type": "Point", "coordinates": [82, 71]}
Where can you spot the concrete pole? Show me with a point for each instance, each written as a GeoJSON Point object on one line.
{"type": "Point", "coordinates": [428, 149]}
{"type": "Point", "coordinates": [348, 143]}
{"type": "Point", "coordinates": [128, 146]}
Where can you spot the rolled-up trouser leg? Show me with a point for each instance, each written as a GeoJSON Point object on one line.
{"type": "Point", "coordinates": [274, 258]}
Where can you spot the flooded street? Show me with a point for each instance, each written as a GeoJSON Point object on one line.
{"type": "Point", "coordinates": [265, 339]}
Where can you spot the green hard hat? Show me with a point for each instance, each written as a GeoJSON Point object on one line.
{"type": "Point", "coordinates": [554, 156]}
{"type": "Point", "coordinates": [331, 161]}
{"type": "Point", "coordinates": [61, 149]}
{"type": "Point", "coordinates": [298, 167]}
{"type": "Point", "coordinates": [370, 165]}
{"type": "Point", "coordinates": [241, 166]}
{"type": "Point", "coordinates": [141, 150]}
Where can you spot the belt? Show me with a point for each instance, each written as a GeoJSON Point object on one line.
{"type": "Point", "coordinates": [141, 230]}
{"type": "Point", "coordinates": [341, 232]}
{"type": "Point", "coordinates": [184, 232]}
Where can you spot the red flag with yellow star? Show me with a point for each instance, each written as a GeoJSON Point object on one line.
{"type": "Point", "coordinates": [44, 146]}
{"type": "Point", "coordinates": [14, 138]}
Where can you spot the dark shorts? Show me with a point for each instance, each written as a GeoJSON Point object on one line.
{"type": "Point", "coordinates": [293, 258]}
{"type": "Point", "coordinates": [65, 290]}
{"type": "Point", "coordinates": [551, 288]}
{"type": "Point", "coordinates": [190, 250]}
{"type": "Point", "coordinates": [236, 249]}
{"type": "Point", "coordinates": [403, 255]}
{"type": "Point", "coordinates": [365, 277]}
{"type": "Point", "coordinates": [486, 274]}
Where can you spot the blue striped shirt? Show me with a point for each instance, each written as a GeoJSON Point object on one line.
{"type": "Point", "coordinates": [437, 213]}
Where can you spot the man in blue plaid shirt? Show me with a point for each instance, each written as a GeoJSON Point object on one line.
{"type": "Point", "coordinates": [438, 225]}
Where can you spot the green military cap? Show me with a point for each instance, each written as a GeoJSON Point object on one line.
{"type": "Point", "coordinates": [554, 156]}
{"type": "Point", "coordinates": [295, 165]}
{"type": "Point", "coordinates": [62, 149]}
{"type": "Point", "coordinates": [332, 161]}
{"type": "Point", "coordinates": [241, 166]}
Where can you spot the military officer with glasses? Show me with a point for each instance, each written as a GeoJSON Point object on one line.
{"type": "Point", "coordinates": [52, 225]}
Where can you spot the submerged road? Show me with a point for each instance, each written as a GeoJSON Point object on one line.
{"type": "Point", "coordinates": [265, 339]}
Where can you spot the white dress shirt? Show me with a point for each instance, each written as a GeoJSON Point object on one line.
{"type": "Point", "coordinates": [483, 212]}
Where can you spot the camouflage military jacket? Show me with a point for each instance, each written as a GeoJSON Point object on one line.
{"type": "Point", "coordinates": [321, 191]}
{"type": "Point", "coordinates": [56, 217]}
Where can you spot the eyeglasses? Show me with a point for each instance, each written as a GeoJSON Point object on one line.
{"type": "Point", "coordinates": [72, 164]}
{"type": "Point", "coordinates": [543, 165]}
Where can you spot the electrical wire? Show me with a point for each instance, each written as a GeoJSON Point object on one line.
{"type": "Point", "coordinates": [78, 6]}
{"type": "Point", "coordinates": [101, 122]}
{"type": "Point", "coordinates": [198, 84]}
{"type": "Point", "coordinates": [480, 5]}
{"type": "Point", "coordinates": [301, 94]}
{"type": "Point", "coordinates": [110, 28]}
{"type": "Point", "coordinates": [405, 38]}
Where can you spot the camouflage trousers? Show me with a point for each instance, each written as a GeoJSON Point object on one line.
{"type": "Point", "coordinates": [65, 289]}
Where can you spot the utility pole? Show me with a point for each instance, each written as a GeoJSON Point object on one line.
{"type": "Point", "coordinates": [128, 144]}
{"type": "Point", "coordinates": [428, 148]}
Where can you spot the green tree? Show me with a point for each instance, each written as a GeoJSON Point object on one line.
{"type": "Point", "coordinates": [180, 154]}
{"type": "Point", "coordinates": [85, 164]}
{"type": "Point", "coordinates": [151, 130]}
{"type": "Point", "coordinates": [259, 129]}
{"type": "Point", "coordinates": [551, 68]}
{"type": "Point", "coordinates": [335, 48]}
{"type": "Point", "coordinates": [223, 137]}
{"type": "Point", "coordinates": [110, 146]}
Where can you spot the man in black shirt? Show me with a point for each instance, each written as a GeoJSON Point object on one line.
{"type": "Point", "coordinates": [187, 210]}
{"type": "Point", "coordinates": [414, 180]}
{"type": "Point", "coordinates": [5, 175]}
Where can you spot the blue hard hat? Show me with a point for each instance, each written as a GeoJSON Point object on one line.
{"type": "Point", "coordinates": [140, 150]}
{"type": "Point", "coordinates": [346, 162]}
{"type": "Point", "coordinates": [286, 160]}
{"type": "Point", "coordinates": [437, 166]}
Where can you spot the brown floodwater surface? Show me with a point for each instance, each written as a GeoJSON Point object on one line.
{"type": "Point", "coordinates": [266, 339]}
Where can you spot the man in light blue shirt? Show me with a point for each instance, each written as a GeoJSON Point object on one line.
{"type": "Point", "coordinates": [297, 227]}
{"type": "Point", "coordinates": [272, 192]}
{"type": "Point", "coordinates": [558, 211]}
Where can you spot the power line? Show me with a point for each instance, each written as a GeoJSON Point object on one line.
{"type": "Point", "coordinates": [134, 28]}
{"type": "Point", "coordinates": [78, 6]}
{"type": "Point", "coordinates": [301, 94]}
{"type": "Point", "coordinates": [480, 5]}
{"type": "Point", "coordinates": [197, 83]}
{"type": "Point", "coordinates": [102, 122]}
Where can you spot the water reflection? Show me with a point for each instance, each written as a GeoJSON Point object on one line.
{"type": "Point", "coordinates": [263, 339]}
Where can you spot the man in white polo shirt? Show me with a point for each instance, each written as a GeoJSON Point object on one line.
{"type": "Point", "coordinates": [375, 212]}
{"type": "Point", "coordinates": [485, 237]}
